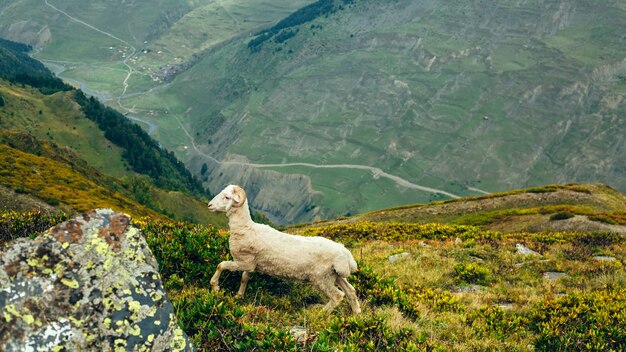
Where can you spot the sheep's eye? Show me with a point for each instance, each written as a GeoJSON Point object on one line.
{"type": "Point", "coordinates": [227, 197]}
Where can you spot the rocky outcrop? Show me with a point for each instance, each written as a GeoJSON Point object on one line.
{"type": "Point", "coordinates": [90, 283]}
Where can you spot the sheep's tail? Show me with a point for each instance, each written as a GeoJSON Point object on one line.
{"type": "Point", "coordinates": [344, 263]}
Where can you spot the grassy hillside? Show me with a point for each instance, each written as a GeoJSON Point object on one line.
{"type": "Point", "coordinates": [45, 124]}
{"type": "Point", "coordinates": [59, 185]}
{"type": "Point", "coordinates": [450, 288]}
{"type": "Point", "coordinates": [57, 118]}
{"type": "Point", "coordinates": [589, 207]}
{"type": "Point", "coordinates": [38, 124]}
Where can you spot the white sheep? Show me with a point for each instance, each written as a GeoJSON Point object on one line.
{"type": "Point", "coordinates": [261, 248]}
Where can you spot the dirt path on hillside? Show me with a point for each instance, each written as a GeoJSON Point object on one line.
{"type": "Point", "coordinates": [376, 172]}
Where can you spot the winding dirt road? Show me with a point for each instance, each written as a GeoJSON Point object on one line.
{"type": "Point", "coordinates": [376, 172]}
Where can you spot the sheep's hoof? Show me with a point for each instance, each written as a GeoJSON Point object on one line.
{"type": "Point", "coordinates": [216, 288]}
{"type": "Point", "coordinates": [239, 296]}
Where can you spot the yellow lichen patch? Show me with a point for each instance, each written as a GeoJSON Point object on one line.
{"type": "Point", "coordinates": [107, 323]}
{"type": "Point", "coordinates": [59, 269]}
{"type": "Point", "coordinates": [134, 330]}
{"type": "Point", "coordinates": [156, 296]}
{"type": "Point", "coordinates": [178, 343]}
{"type": "Point", "coordinates": [152, 312]}
{"type": "Point", "coordinates": [120, 345]}
{"type": "Point", "coordinates": [101, 246]}
{"type": "Point", "coordinates": [71, 283]}
{"type": "Point", "coordinates": [76, 322]}
{"type": "Point", "coordinates": [90, 265]}
{"type": "Point", "coordinates": [11, 310]}
{"type": "Point", "coordinates": [28, 319]}
{"type": "Point", "coordinates": [134, 307]}
{"type": "Point", "coordinates": [34, 262]}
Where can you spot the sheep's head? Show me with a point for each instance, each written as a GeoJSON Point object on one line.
{"type": "Point", "coordinates": [231, 197]}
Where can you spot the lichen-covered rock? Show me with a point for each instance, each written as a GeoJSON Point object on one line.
{"type": "Point", "coordinates": [90, 283]}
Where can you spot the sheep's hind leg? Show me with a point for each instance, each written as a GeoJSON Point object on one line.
{"type": "Point", "coordinates": [350, 294]}
{"type": "Point", "coordinates": [336, 295]}
{"type": "Point", "coordinates": [245, 276]}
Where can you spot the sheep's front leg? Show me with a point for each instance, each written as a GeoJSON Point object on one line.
{"type": "Point", "coordinates": [245, 276]}
{"type": "Point", "coordinates": [232, 266]}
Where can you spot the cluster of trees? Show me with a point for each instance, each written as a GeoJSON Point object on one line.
{"type": "Point", "coordinates": [17, 67]}
{"type": "Point", "coordinates": [281, 30]}
{"type": "Point", "coordinates": [141, 152]}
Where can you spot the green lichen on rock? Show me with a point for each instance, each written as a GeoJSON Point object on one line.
{"type": "Point", "coordinates": [90, 283]}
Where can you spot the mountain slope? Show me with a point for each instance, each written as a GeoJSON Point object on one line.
{"type": "Point", "coordinates": [463, 98]}
{"type": "Point", "coordinates": [352, 106]}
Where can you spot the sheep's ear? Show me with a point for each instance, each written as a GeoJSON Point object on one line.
{"type": "Point", "coordinates": [239, 197]}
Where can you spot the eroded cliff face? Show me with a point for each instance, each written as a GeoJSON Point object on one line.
{"type": "Point", "coordinates": [90, 283]}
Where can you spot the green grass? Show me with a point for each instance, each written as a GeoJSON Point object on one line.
{"type": "Point", "coordinates": [473, 295]}
{"type": "Point", "coordinates": [459, 288]}
{"type": "Point", "coordinates": [519, 210]}
{"type": "Point", "coordinates": [62, 123]}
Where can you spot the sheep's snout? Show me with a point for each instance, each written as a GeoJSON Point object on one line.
{"type": "Point", "coordinates": [216, 205]}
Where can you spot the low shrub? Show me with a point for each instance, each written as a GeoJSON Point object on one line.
{"type": "Point", "coordinates": [399, 232]}
{"type": "Point", "coordinates": [492, 321]}
{"type": "Point", "coordinates": [191, 252]}
{"type": "Point", "coordinates": [563, 215]}
{"type": "Point", "coordinates": [23, 224]}
{"type": "Point", "coordinates": [592, 321]}
{"type": "Point", "coordinates": [213, 322]}
{"type": "Point", "coordinates": [364, 333]}
{"type": "Point", "coordinates": [436, 299]}
{"type": "Point", "coordinates": [611, 219]}
{"type": "Point", "coordinates": [472, 273]}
